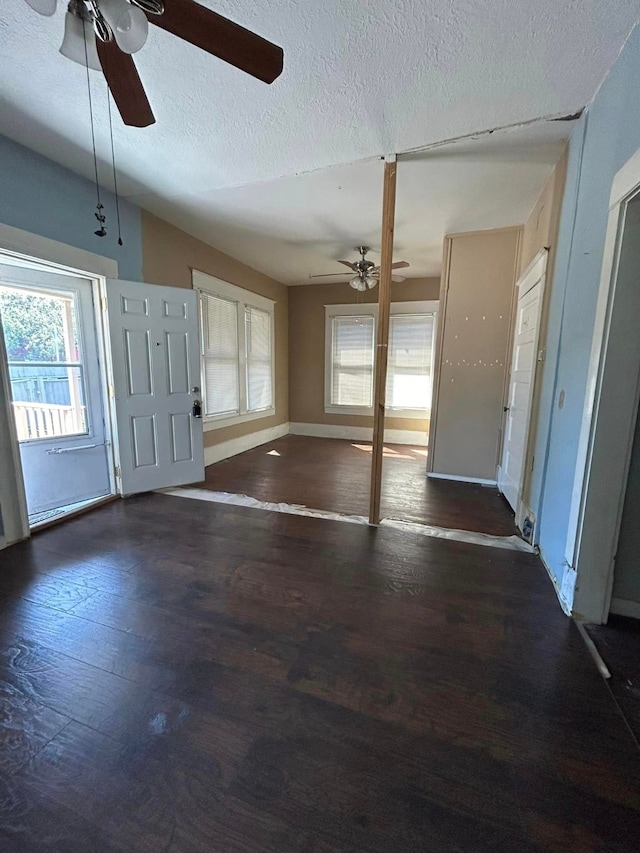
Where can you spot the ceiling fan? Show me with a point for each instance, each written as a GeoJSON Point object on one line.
{"type": "Point", "coordinates": [367, 273]}
{"type": "Point", "coordinates": [104, 33]}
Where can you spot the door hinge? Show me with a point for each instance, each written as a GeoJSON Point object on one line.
{"type": "Point", "coordinates": [118, 475]}
{"type": "Point", "coordinates": [112, 392]}
{"type": "Point", "coordinates": [542, 354]}
{"type": "Point", "coordinates": [103, 302]}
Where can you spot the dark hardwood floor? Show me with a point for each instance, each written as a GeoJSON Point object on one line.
{"type": "Point", "coordinates": [619, 645]}
{"type": "Point", "coordinates": [330, 474]}
{"type": "Point", "coordinates": [178, 675]}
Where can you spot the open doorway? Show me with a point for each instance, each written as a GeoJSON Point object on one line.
{"type": "Point", "coordinates": [57, 389]}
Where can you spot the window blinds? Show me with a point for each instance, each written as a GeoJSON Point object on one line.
{"type": "Point", "coordinates": [409, 361]}
{"type": "Point", "coordinates": [220, 341]}
{"type": "Point", "coordinates": [352, 361]}
{"type": "Point", "coordinates": [258, 354]}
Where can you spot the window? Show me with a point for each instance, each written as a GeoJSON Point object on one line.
{"type": "Point", "coordinates": [352, 361]}
{"type": "Point", "coordinates": [409, 362]}
{"type": "Point", "coordinates": [350, 358]}
{"type": "Point", "coordinates": [237, 352]}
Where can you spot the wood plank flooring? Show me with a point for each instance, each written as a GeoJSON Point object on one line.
{"type": "Point", "coordinates": [330, 474]}
{"type": "Point", "coordinates": [178, 675]}
{"type": "Point", "coordinates": [619, 645]}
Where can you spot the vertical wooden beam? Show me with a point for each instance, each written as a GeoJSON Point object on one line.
{"type": "Point", "coordinates": [382, 341]}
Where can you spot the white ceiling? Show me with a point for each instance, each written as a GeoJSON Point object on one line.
{"type": "Point", "coordinates": [361, 79]}
{"type": "Point", "coordinates": [293, 227]}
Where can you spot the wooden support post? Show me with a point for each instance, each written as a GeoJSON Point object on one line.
{"type": "Point", "coordinates": [382, 341]}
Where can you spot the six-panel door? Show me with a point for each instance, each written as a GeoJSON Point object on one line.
{"type": "Point", "coordinates": [156, 366]}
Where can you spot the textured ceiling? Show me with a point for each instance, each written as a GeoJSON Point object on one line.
{"type": "Point", "coordinates": [361, 79]}
{"type": "Point", "coordinates": [293, 227]}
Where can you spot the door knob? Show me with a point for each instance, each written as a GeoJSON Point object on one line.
{"type": "Point", "coordinates": [196, 409]}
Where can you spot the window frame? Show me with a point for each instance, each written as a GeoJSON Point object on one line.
{"type": "Point", "coordinates": [368, 309]}
{"type": "Point", "coordinates": [207, 285]}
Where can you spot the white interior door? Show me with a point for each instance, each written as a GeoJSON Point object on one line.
{"type": "Point", "coordinates": [56, 386]}
{"type": "Point", "coordinates": [522, 374]}
{"type": "Point", "coordinates": [156, 369]}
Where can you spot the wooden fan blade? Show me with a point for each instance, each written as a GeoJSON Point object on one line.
{"type": "Point", "coordinates": [349, 264]}
{"type": "Point", "coordinates": [125, 85]}
{"type": "Point", "coordinates": [222, 38]}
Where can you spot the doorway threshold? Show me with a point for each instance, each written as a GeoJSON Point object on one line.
{"type": "Point", "coordinates": [40, 520]}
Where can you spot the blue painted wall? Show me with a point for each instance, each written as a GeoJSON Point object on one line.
{"type": "Point", "coordinates": [604, 141]}
{"type": "Point", "coordinates": [39, 196]}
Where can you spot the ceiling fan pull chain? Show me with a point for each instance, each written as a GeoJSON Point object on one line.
{"type": "Point", "coordinates": [99, 214]}
{"type": "Point", "coordinates": [113, 163]}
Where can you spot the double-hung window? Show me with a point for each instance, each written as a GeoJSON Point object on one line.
{"type": "Point", "coordinates": [350, 335]}
{"type": "Point", "coordinates": [237, 347]}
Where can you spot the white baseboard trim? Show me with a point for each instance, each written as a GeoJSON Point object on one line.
{"type": "Point", "coordinates": [459, 479]}
{"type": "Point", "coordinates": [226, 449]}
{"type": "Point", "coordinates": [353, 433]}
{"type": "Point", "coordinates": [623, 607]}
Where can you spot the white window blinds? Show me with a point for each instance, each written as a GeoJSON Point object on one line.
{"type": "Point", "coordinates": [409, 361]}
{"type": "Point", "coordinates": [352, 361]}
{"type": "Point", "coordinates": [220, 355]}
{"type": "Point", "coordinates": [259, 357]}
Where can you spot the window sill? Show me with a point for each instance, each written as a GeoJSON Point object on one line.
{"type": "Point", "coordinates": [212, 423]}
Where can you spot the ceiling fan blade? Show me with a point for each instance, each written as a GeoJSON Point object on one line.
{"type": "Point", "coordinates": [397, 266]}
{"type": "Point", "coordinates": [327, 274]}
{"type": "Point", "coordinates": [376, 274]}
{"type": "Point", "coordinates": [125, 85]}
{"type": "Point", "coordinates": [222, 38]}
{"type": "Point", "coordinates": [352, 266]}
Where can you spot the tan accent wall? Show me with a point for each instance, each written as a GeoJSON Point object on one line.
{"type": "Point", "coordinates": [169, 256]}
{"type": "Point", "coordinates": [306, 347]}
{"type": "Point", "coordinates": [540, 230]}
{"type": "Point", "coordinates": [474, 339]}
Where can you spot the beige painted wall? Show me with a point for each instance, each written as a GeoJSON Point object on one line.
{"type": "Point", "coordinates": [475, 324]}
{"type": "Point", "coordinates": [168, 257]}
{"type": "Point", "coordinates": [306, 347]}
{"type": "Point", "coordinates": [540, 230]}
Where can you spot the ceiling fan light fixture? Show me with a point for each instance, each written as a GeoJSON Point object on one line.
{"type": "Point", "coordinates": [371, 281]}
{"type": "Point", "coordinates": [151, 7]}
{"type": "Point", "coordinates": [43, 7]}
{"type": "Point", "coordinates": [129, 24]}
{"type": "Point", "coordinates": [73, 43]}
{"type": "Point", "coordinates": [358, 283]}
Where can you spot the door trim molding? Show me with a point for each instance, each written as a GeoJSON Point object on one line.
{"type": "Point", "coordinates": [602, 466]}
{"type": "Point", "coordinates": [531, 273]}
{"type": "Point", "coordinates": [32, 251]}
{"type": "Point", "coordinates": [41, 252]}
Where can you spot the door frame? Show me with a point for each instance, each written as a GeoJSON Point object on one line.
{"type": "Point", "coordinates": [522, 511]}
{"type": "Point", "coordinates": [31, 251]}
{"type": "Point", "coordinates": [607, 432]}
